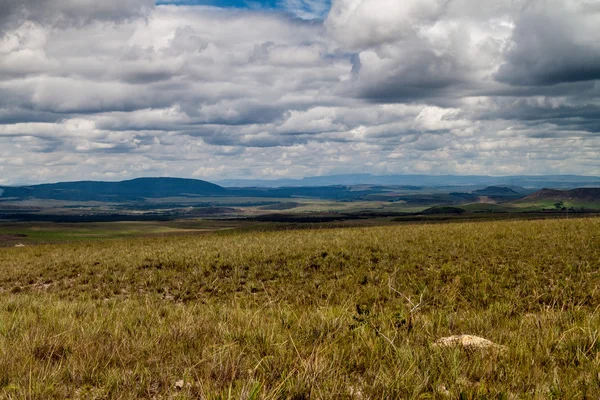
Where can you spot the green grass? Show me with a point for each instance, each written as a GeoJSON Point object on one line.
{"type": "Point", "coordinates": [484, 207]}
{"type": "Point", "coordinates": [40, 232]}
{"type": "Point", "coordinates": [551, 205]}
{"type": "Point", "coordinates": [306, 314]}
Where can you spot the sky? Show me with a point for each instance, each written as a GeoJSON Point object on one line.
{"type": "Point", "coordinates": [218, 89]}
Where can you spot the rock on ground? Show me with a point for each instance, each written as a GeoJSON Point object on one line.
{"type": "Point", "coordinates": [467, 342]}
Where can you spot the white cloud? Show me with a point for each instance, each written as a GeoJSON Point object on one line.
{"type": "Point", "coordinates": [121, 89]}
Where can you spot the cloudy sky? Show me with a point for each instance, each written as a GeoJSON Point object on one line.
{"type": "Point", "coordinates": [218, 89]}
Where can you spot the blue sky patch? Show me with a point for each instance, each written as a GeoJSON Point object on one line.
{"type": "Point", "coordinates": [305, 9]}
{"type": "Point", "coordinates": [224, 3]}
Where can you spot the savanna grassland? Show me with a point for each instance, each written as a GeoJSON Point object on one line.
{"type": "Point", "coordinates": [304, 314]}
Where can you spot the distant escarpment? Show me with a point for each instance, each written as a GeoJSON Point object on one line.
{"type": "Point", "coordinates": [581, 194]}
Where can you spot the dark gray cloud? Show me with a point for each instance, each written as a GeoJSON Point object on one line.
{"type": "Point", "coordinates": [546, 53]}
{"type": "Point", "coordinates": [541, 109]}
{"type": "Point", "coordinates": [70, 12]}
{"type": "Point", "coordinates": [9, 116]}
{"type": "Point", "coordinates": [421, 74]}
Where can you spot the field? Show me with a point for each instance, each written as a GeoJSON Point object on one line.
{"type": "Point", "coordinates": [349, 312]}
{"type": "Point", "coordinates": [550, 205]}
{"type": "Point", "coordinates": [176, 208]}
{"type": "Point", "coordinates": [15, 233]}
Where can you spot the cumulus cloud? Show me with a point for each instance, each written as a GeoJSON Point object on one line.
{"type": "Point", "coordinates": [108, 90]}
{"type": "Point", "coordinates": [416, 50]}
{"type": "Point", "coordinates": [360, 24]}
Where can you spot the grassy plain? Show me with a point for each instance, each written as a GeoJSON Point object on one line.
{"type": "Point", "coordinates": [306, 314]}
{"type": "Point", "coordinates": [48, 232]}
{"type": "Point", "coordinates": [546, 204]}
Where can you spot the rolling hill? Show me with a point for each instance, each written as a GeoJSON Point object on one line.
{"type": "Point", "coordinates": [575, 198]}
{"type": "Point", "coordinates": [131, 190]}
{"type": "Point", "coordinates": [496, 191]}
{"type": "Point", "coordinates": [582, 194]}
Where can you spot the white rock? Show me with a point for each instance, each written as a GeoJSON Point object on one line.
{"type": "Point", "coordinates": [468, 342]}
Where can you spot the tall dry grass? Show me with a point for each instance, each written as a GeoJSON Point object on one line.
{"type": "Point", "coordinates": [307, 314]}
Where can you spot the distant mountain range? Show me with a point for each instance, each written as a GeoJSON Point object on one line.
{"type": "Point", "coordinates": [526, 181]}
{"type": "Point", "coordinates": [412, 189]}
{"type": "Point", "coordinates": [142, 189]}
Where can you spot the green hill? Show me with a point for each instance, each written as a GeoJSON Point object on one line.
{"type": "Point", "coordinates": [496, 191]}
{"type": "Point", "coordinates": [131, 190]}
